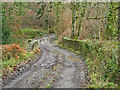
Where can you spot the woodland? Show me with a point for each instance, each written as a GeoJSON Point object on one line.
{"type": "Point", "coordinates": [89, 29]}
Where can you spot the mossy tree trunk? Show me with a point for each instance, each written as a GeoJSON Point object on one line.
{"type": "Point", "coordinates": [102, 21]}
{"type": "Point", "coordinates": [81, 17]}
{"type": "Point", "coordinates": [73, 19]}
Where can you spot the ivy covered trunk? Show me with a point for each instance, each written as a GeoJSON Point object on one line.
{"type": "Point", "coordinates": [73, 19]}
{"type": "Point", "coordinates": [111, 26]}
{"type": "Point", "coordinates": [119, 38]}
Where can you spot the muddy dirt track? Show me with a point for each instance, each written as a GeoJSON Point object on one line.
{"type": "Point", "coordinates": [57, 68]}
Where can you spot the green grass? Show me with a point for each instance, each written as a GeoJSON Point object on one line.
{"type": "Point", "coordinates": [48, 85]}
{"type": "Point", "coordinates": [56, 41]}
{"type": "Point", "coordinates": [54, 68]}
{"type": "Point", "coordinates": [32, 33]}
{"type": "Point", "coordinates": [9, 64]}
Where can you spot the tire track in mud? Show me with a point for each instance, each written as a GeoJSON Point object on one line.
{"type": "Point", "coordinates": [60, 68]}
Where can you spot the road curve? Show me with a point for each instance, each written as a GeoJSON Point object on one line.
{"type": "Point", "coordinates": [57, 68]}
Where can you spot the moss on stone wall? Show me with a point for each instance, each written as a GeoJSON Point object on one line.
{"type": "Point", "coordinates": [101, 59]}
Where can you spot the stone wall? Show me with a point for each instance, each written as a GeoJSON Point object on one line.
{"type": "Point", "coordinates": [101, 57]}
{"type": "Point", "coordinates": [70, 43]}
{"type": "Point", "coordinates": [32, 45]}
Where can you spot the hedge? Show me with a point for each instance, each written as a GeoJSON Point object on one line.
{"type": "Point", "coordinates": [101, 59]}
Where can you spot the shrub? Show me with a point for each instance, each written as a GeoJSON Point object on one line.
{"type": "Point", "coordinates": [12, 50]}
{"type": "Point", "coordinates": [32, 33]}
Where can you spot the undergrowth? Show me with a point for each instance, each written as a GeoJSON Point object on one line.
{"type": "Point", "coordinates": [101, 59]}
{"type": "Point", "coordinates": [15, 51]}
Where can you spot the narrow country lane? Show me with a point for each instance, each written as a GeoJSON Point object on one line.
{"type": "Point", "coordinates": [57, 68]}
